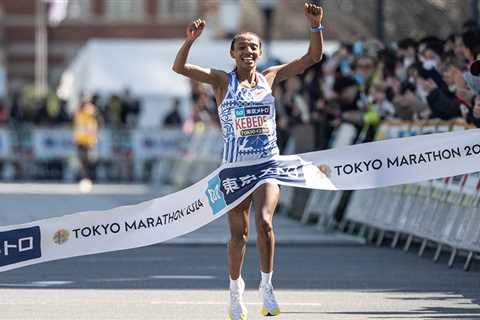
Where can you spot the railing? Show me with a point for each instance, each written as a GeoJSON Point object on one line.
{"type": "Point", "coordinates": [443, 214]}
{"type": "Point", "coordinates": [30, 153]}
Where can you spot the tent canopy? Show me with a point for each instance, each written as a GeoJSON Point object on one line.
{"type": "Point", "coordinates": [108, 66]}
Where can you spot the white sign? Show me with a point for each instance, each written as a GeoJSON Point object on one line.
{"type": "Point", "coordinates": [153, 143]}
{"type": "Point", "coordinates": [104, 147]}
{"type": "Point", "coordinates": [49, 143]}
{"type": "Point", "coordinates": [5, 144]}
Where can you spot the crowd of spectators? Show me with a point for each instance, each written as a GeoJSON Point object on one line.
{"type": "Point", "coordinates": [365, 82]}
{"type": "Point", "coordinates": [361, 84]}
{"type": "Point", "coordinates": [25, 108]}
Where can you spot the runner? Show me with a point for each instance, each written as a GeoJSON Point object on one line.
{"type": "Point", "coordinates": [247, 115]}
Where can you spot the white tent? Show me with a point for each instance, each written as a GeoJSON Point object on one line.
{"type": "Point", "coordinates": [109, 66]}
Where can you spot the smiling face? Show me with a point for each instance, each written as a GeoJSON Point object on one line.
{"type": "Point", "coordinates": [246, 50]}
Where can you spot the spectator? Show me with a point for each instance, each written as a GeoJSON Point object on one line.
{"type": "Point", "coordinates": [17, 110]}
{"type": "Point", "coordinates": [381, 102]}
{"type": "Point", "coordinates": [474, 113]}
{"type": "Point", "coordinates": [471, 44]}
{"type": "Point", "coordinates": [85, 135]}
{"type": "Point", "coordinates": [62, 116]}
{"type": "Point", "coordinates": [173, 118]}
{"type": "Point", "coordinates": [114, 112]}
{"type": "Point", "coordinates": [408, 105]}
{"type": "Point", "coordinates": [407, 52]}
{"type": "Point", "coordinates": [365, 68]}
{"type": "Point", "coordinates": [130, 109]}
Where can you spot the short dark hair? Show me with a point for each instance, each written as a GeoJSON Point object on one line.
{"type": "Point", "coordinates": [342, 83]}
{"type": "Point", "coordinates": [407, 43]}
{"type": "Point", "coordinates": [232, 45]}
{"type": "Point", "coordinates": [471, 40]}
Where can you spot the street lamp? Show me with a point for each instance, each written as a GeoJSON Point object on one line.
{"type": "Point", "coordinates": [41, 53]}
{"type": "Point", "coordinates": [267, 7]}
{"type": "Point", "coordinates": [381, 20]}
{"type": "Point", "coordinates": [474, 9]}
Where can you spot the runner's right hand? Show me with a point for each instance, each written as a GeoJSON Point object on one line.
{"type": "Point", "coordinates": [195, 28]}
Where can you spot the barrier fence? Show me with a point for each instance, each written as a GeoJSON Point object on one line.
{"type": "Point", "coordinates": [126, 155]}
{"type": "Point", "coordinates": [442, 214]}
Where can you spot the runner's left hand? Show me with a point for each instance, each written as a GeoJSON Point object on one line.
{"type": "Point", "coordinates": [314, 14]}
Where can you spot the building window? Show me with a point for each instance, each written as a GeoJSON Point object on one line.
{"type": "Point", "coordinates": [187, 9]}
{"type": "Point", "coordinates": [79, 9]}
{"type": "Point", "coordinates": [125, 9]}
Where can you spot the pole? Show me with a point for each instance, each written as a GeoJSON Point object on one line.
{"type": "Point", "coordinates": [381, 20]}
{"type": "Point", "coordinates": [267, 13]}
{"type": "Point", "coordinates": [41, 61]}
{"type": "Point", "coordinates": [475, 11]}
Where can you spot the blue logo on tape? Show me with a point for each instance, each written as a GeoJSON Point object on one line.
{"type": "Point", "coordinates": [240, 112]}
{"type": "Point", "coordinates": [19, 245]}
{"type": "Point", "coordinates": [216, 198]}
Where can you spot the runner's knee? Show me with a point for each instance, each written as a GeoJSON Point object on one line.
{"type": "Point", "coordinates": [264, 227]}
{"type": "Point", "coordinates": [239, 238]}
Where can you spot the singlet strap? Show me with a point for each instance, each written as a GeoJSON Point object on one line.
{"type": "Point", "coordinates": [233, 85]}
{"type": "Point", "coordinates": [263, 81]}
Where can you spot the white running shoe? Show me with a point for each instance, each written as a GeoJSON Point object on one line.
{"type": "Point", "coordinates": [270, 306]}
{"type": "Point", "coordinates": [237, 310]}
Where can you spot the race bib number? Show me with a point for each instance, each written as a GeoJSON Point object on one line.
{"type": "Point", "coordinates": [252, 120]}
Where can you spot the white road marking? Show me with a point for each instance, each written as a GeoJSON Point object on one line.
{"type": "Point", "coordinates": [216, 303]}
{"type": "Point", "coordinates": [116, 279]}
{"type": "Point", "coordinates": [69, 188]}
{"type": "Point", "coordinates": [194, 277]}
{"type": "Point", "coordinates": [43, 284]}
{"type": "Point", "coordinates": [96, 259]}
{"type": "Point", "coordinates": [40, 284]}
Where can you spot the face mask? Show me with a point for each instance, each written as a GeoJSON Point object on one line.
{"type": "Point", "coordinates": [407, 62]}
{"type": "Point", "coordinates": [472, 81]}
{"type": "Point", "coordinates": [401, 73]}
{"type": "Point", "coordinates": [429, 64]}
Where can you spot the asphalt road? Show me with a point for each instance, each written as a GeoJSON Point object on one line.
{"type": "Point", "coordinates": [189, 282]}
{"type": "Point", "coordinates": [314, 278]}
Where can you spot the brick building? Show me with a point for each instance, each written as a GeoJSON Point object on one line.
{"type": "Point", "coordinates": [86, 19]}
{"type": "Point", "coordinates": [348, 20]}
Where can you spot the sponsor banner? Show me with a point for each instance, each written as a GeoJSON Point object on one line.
{"type": "Point", "coordinates": [154, 143]}
{"type": "Point", "coordinates": [53, 143]}
{"type": "Point", "coordinates": [5, 144]}
{"type": "Point", "coordinates": [19, 245]}
{"type": "Point", "coordinates": [370, 165]}
{"type": "Point", "coordinates": [104, 147]}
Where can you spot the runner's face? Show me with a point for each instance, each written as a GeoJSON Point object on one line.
{"type": "Point", "coordinates": [246, 51]}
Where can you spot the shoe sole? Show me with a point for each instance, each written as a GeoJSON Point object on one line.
{"type": "Point", "coordinates": [270, 313]}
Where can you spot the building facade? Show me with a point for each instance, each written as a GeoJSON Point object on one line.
{"type": "Point", "coordinates": [84, 20]}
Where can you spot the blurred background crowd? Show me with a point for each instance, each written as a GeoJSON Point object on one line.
{"type": "Point", "coordinates": [365, 82]}
{"type": "Point", "coordinates": [382, 69]}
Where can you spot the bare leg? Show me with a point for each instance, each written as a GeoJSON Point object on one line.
{"type": "Point", "coordinates": [238, 222]}
{"type": "Point", "coordinates": [265, 199]}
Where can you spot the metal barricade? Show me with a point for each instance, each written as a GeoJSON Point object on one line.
{"type": "Point", "coordinates": [443, 212]}
{"type": "Point", "coordinates": [322, 204]}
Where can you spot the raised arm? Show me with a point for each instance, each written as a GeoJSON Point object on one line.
{"type": "Point", "coordinates": [216, 78]}
{"type": "Point", "coordinates": [276, 74]}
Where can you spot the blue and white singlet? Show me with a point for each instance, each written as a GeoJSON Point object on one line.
{"type": "Point", "coordinates": [247, 116]}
